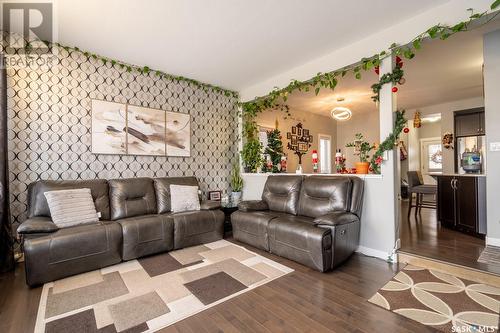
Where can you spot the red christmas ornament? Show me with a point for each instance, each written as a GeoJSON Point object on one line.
{"type": "Point", "coordinates": [377, 70]}
{"type": "Point", "coordinates": [394, 89]}
{"type": "Point", "coordinates": [398, 60]}
{"type": "Point", "coordinates": [406, 130]}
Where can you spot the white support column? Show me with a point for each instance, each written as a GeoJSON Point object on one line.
{"type": "Point", "coordinates": [380, 222]}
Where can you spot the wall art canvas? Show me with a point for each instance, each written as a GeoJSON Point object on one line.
{"type": "Point", "coordinates": [108, 128]}
{"type": "Point", "coordinates": [178, 135]}
{"type": "Point", "coordinates": [146, 131]}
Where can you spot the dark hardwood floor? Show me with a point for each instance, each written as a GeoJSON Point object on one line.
{"type": "Point", "coordinates": [302, 301]}
{"type": "Point", "coordinates": [424, 236]}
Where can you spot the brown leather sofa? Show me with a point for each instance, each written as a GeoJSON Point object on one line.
{"type": "Point", "coordinates": [136, 221]}
{"type": "Point", "coordinates": [312, 220]}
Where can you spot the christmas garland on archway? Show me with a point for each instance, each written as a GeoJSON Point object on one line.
{"type": "Point", "coordinates": [389, 143]}
{"type": "Point", "coordinates": [277, 98]}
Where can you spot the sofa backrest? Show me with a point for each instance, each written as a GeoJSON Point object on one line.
{"type": "Point", "coordinates": [131, 197]}
{"type": "Point", "coordinates": [162, 188]}
{"type": "Point", "coordinates": [281, 193]}
{"type": "Point", "coordinates": [37, 203]}
{"type": "Point", "coordinates": [321, 195]}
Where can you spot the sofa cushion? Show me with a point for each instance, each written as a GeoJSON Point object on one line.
{"type": "Point", "coordinates": [251, 227]}
{"type": "Point", "coordinates": [162, 189]}
{"type": "Point", "coordinates": [131, 197]}
{"type": "Point", "coordinates": [298, 239]}
{"type": "Point", "coordinates": [71, 207]}
{"type": "Point", "coordinates": [37, 203]}
{"type": "Point", "coordinates": [324, 194]}
{"type": "Point", "coordinates": [197, 227]}
{"type": "Point", "coordinates": [358, 186]}
{"type": "Point", "coordinates": [146, 235]}
{"type": "Point", "coordinates": [184, 198]}
{"type": "Point", "coordinates": [281, 193]}
{"type": "Point", "coordinates": [71, 251]}
{"type": "Point", "coordinates": [37, 224]}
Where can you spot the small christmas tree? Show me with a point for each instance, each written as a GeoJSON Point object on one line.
{"type": "Point", "coordinates": [274, 148]}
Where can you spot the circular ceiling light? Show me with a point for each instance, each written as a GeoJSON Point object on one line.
{"type": "Point", "coordinates": [341, 113]}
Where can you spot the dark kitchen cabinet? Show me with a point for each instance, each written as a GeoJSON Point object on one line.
{"type": "Point", "coordinates": [446, 201]}
{"type": "Point", "coordinates": [469, 123]}
{"type": "Point", "coordinates": [461, 202]}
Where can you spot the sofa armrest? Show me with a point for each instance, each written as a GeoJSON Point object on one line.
{"type": "Point", "coordinates": [253, 205]}
{"type": "Point", "coordinates": [36, 225]}
{"type": "Point", "coordinates": [210, 205]}
{"type": "Point", "coordinates": [336, 218]}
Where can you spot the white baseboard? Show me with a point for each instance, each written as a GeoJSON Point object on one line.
{"type": "Point", "coordinates": [493, 241]}
{"type": "Point", "coordinates": [373, 252]}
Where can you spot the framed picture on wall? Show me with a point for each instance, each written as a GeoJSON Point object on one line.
{"type": "Point", "coordinates": [303, 146]}
{"type": "Point", "coordinates": [145, 131]}
{"type": "Point", "coordinates": [305, 132]}
{"type": "Point", "coordinates": [288, 135]}
{"type": "Point", "coordinates": [178, 134]}
{"type": "Point", "coordinates": [215, 195]}
{"type": "Point", "coordinates": [294, 130]}
{"type": "Point", "coordinates": [293, 140]}
{"type": "Point", "coordinates": [109, 122]}
{"type": "Point", "coordinates": [310, 138]}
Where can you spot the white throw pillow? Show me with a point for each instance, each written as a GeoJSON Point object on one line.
{"type": "Point", "coordinates": [71, 207]}
{"type": "Point", "coordinates": [184, 198]}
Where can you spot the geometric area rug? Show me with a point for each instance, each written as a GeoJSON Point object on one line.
{"type": "Point", "coordinates": [444, 302]}
{"type": "Point", "coordinates": [148, 294]}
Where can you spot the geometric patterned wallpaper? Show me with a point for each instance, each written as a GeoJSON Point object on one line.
{"type": "Point", "coordinates": [50, 120]}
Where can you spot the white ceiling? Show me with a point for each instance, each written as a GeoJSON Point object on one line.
{"type": "Point", "coordinates": [232, 43]}
{"type": "Point", "coordinates": [442, 71]}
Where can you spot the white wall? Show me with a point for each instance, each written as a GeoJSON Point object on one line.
{"type": "Point", "coordinates": [359, 123]}
{"type": "Point", "coordinates": [492, 120]}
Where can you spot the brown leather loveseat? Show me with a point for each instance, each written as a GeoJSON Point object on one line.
{"type": "Point", "coordinates": [313, 220]}
{"type": "Point", "coordinates": [136, 221]}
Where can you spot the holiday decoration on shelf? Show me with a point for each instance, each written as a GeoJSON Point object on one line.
{"type": "Point", "coordinates": [448, 140]}
{"type": "Point", "coordinates": [340, 162]}
{"type": "Point", "coordinates": [389, 143]}
{"type": "Point", "coordinates": [274, 150]}
{"type": "Point", "coordinates": [315, 160]}
{"type": "Point", "coordinates": [417, 121]}
{"type": "Point", "coordinates": [300, 141]}
{"type": "Point", "coordinates": [406, 130]}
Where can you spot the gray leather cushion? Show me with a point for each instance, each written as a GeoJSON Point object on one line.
{"type": "Point", "coordinates": [37, 224]}
{"type": "Point", "coordinates": [145, 235]}
{"type": "Point", "coordinates": [162, 188]}
{"type": "Point", "coordinates": [71, 251]}
{"type": "Point", "coordinates": [197, 227]}
{"type": "Point", "coordinates": [324, 194]}
{"type": "Point", "coordinates": [252, 205]}
{"type": "Point", "coordinates": [37, 203]}
{"type": "Point", "coordinates": [298, 239]}
{"type": "Point", "coordinates": [281, 193]}
{"type": "Point", "coordinates": [251, 227]}
{"type": "Point", "coordinates": [131, 197]}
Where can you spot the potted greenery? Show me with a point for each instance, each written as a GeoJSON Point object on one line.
{"type": "Point", "coordinates": [252, 155]}
{"type": "Point", "coordinates": [362, 148]}
{"type": "Point", "coordinates": [236, 183]}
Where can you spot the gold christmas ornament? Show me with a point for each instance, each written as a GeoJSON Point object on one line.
{"type": "Point", "coordinates": [417, 122]}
